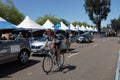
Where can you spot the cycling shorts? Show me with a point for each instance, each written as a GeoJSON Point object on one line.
{"type": "Point", "coordinates": [57, 45]}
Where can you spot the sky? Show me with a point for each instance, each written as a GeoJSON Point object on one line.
{"type": "Point", "coordinates": [70, 10]}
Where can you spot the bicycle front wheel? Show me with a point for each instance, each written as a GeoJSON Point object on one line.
{"type": "Point", "coordinates": [47, 64]}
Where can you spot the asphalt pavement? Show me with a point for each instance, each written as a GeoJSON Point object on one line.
{"type": "Point", "coordinates": [85, 61]}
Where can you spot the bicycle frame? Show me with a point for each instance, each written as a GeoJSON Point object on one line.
{"type": "Point", "coordinates": [53, 55]}
{"type": "Point", "coordinates": [52, 58]}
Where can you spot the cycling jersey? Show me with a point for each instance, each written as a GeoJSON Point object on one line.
{"type": "Point", "coordinates": [58, 40]}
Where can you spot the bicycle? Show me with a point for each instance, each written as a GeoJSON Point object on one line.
{"type": "Point", "coordinates": [51, 59]}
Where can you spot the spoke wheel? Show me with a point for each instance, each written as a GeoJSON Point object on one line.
{"type": "Point", "coordinates": [47, 64]}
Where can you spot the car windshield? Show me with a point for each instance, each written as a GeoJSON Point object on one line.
{"type": "Point", "coordinates": [43, 39]}
{"type": "Point", "coordinates": [40, 38]}
{"type": "Point", "coordinates": [86, 33]}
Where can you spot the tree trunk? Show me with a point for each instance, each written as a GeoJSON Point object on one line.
{"type": "Point", "coordinates": [99, 26]}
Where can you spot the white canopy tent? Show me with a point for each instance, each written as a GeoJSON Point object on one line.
{"type": "Point", "coordinates": [28, 23]}
{"type": "Point", "coordinates": [95, 30]}
{"type": "Point", "coordinates": [63, 26]}
{"type": "Point", "coordinates": [72, 27]}
{"type": "Point", "coordinates": [1, 19]}
{"type": "Point", "coordinates": [78, 28]}
{"type": "Point", "coordinates": [91, 29]}
{"type": "Point", "coordinates": [87, 28]}
{"type": "Point", "coordinates": [83, 28]}
{"type": "Point", "coordinates": [48, 24]}
{"type": "Point", "coordinates": [6, 25]}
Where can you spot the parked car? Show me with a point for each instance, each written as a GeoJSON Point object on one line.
{"type": "Point", "coordinates": [38, 43]}
{"type": "Point", "coordinates": [85, 37]}
{"type": "Point", "coordinates": [14, 50]}
{"type": "Point", "coordinates": [73, 38]}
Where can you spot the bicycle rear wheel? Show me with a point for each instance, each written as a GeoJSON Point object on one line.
{"type": "Point", "coordinates": [47, 64]}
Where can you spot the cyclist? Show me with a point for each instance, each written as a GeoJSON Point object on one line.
{"type": "Point", "coordinates": [55, 43]}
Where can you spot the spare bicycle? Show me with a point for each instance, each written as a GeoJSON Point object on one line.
{"type": "Point", "coordinates": [51, 59]}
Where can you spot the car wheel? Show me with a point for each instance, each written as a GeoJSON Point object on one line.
{"type": "Point", "coordinates": [23, 57]}
{"type": "Point", "coordinates": [78, 41]}
{"type": "Point", "coordinates": [86, 40]}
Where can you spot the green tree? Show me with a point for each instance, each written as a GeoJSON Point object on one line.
{"type": "Point", "coordinates": [52, 18]}
{"type": "Point", "coordinates": [75, 23]}
{"type": "Point", "coordinates": [115, 24]}
{"type": "Point", "coordinates": [97, 10]}
{"type": "Point", "coordinates": [10, 13]}
{"type": "Point", "coordinates": [65, 22]}
{"type": "Point", "coordinates": [3, 9]}
{"type": "Point", "coordinates": [81, 23]}
{"type": "Point", "coordinates": [14, 16]}
{"type": "Point", "coordinates": [84, 24]}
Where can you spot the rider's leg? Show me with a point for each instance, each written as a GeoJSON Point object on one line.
{"type": "Point", "coordinates": [58, 58]}
{"type": "Point", "coordinates": [58, 54]}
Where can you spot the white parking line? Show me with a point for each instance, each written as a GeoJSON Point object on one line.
{"type": "Point", "coordinates": [29, 73]}
{"type": "Point", "coordinates": [72, 55]}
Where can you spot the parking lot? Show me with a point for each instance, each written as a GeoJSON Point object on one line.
{"type": "Point", "coordinates": [85, 61]}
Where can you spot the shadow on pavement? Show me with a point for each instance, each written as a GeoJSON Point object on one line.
{"type": "Point", "coordinates": [64, 69]}
{"type": "Point", "coordinates": [67, 68]}
{"type": "Point", "coordinates": [39, 55]}
{"type": "Point", "coordinates": [72, 51]}
{"type": "Point", "coordinates": [13, 67]}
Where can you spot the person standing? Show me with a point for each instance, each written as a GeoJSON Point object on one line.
{"type": "Point", "coordinates": [67, 40]}
{"type": "Point", "coordinates": [19, 36]}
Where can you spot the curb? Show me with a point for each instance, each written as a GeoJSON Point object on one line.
{"type": "Point", "coordinates": [117, 73]}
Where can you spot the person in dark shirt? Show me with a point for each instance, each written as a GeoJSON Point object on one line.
{"type": "Point", "coordinates": [67, 40]}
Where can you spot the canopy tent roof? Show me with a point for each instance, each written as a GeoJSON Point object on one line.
{"type": "Point", "coordinates": [91, 29]}
{"type": "Point", "coordinates": [83, 28]}
{"type": "Point", "coordinates": [95, 29]}
{"type": "Point", "coordinates": [48, 24]}
{"type": "Point", "coordinates": [63, 26]}
{"type": "Point", "coordinates": [78, 28]}
{"type": "Point", "coordinates": [28, 23]}
{"type": "Point", "coordinates": [1, 19]}
{"type": "Point", "coordinates": [6, 25]}
{"type": "Point", "coordinates": [87, 28]}
{"type": "Point", "coordinates": [72, 27]}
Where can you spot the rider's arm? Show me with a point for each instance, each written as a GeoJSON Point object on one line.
{"type": "Point", "coordinates": [46, 42]}
{"type": "Point", "coordinates": [53, 42]}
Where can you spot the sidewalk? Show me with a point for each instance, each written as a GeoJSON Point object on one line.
{"type": "Point", "coordinates": [117, 74]}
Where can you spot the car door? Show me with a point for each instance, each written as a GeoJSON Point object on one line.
{"type": "Point", "coordinates": [4, 51]}
{"type": "Point", "coordinates": [14, 48]}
